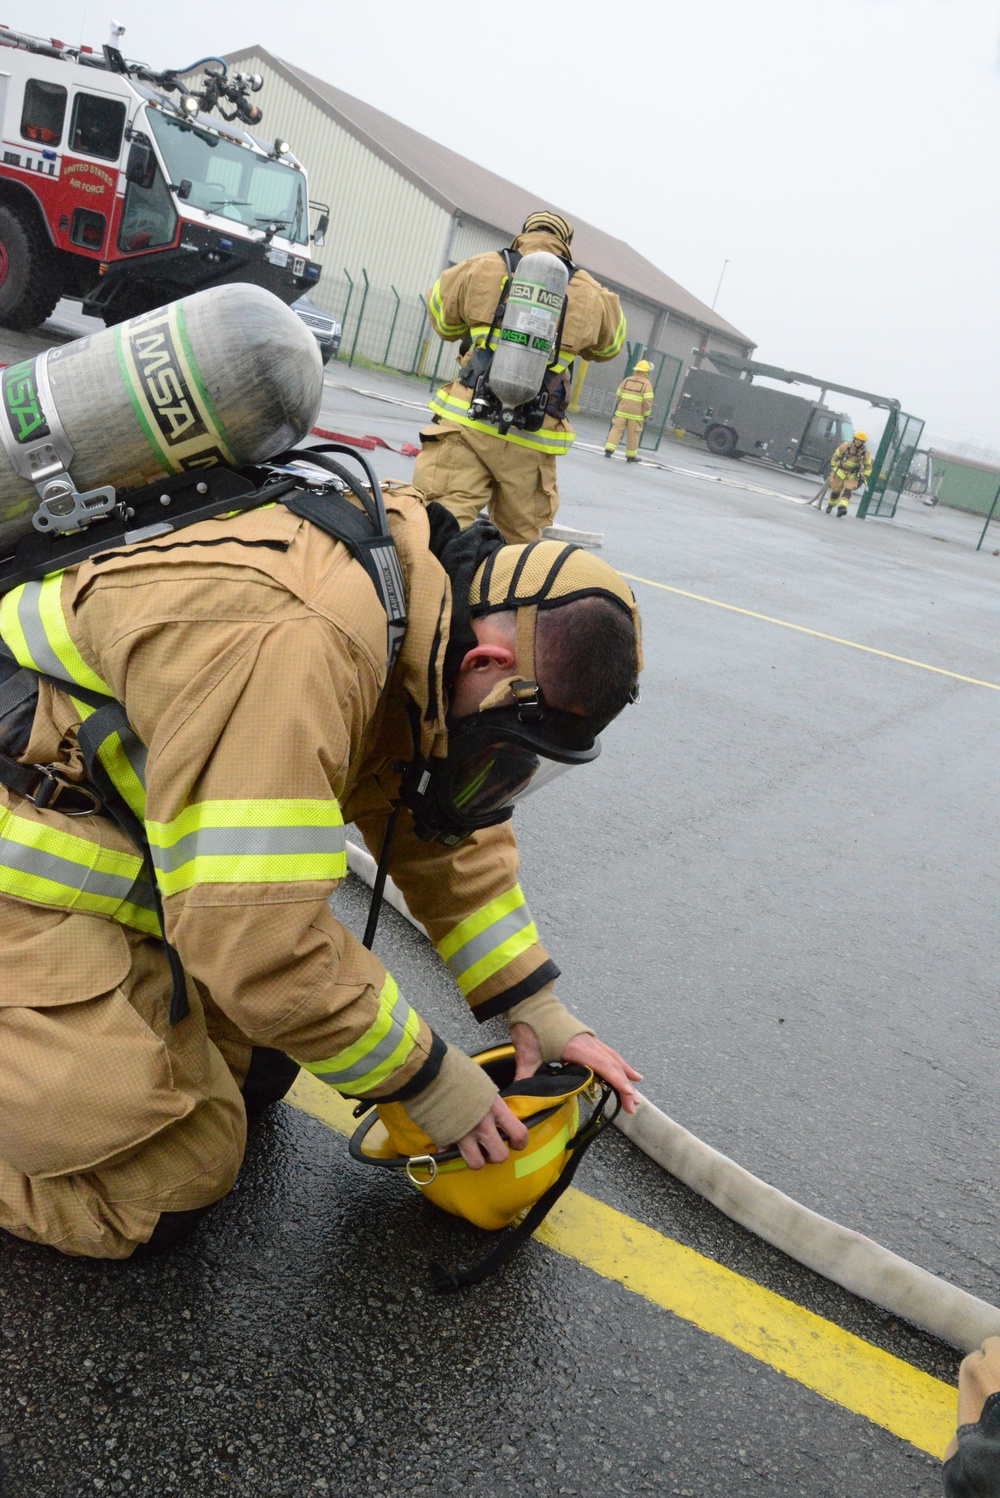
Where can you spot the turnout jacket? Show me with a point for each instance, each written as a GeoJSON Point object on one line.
{"type": "Point", "coordinates": [851, 462]}
{"type": "Point", "coordinates": [464, 300]}
{"type": "Point", "coordinates": [634, 397]}
{"type": "Point", "coordinates": [249, 654]}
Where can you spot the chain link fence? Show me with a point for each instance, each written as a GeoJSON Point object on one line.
{"type": "Point", "coordinates": [952, 495]}
{"type": "Point", "coordinates": [383, 329]}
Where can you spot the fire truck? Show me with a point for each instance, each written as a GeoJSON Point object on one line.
{"type": "Point", "coordinates": [129, 188]}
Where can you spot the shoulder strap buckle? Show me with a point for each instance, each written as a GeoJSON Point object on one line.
{"type": "Point", "coordinates": [53, 793]}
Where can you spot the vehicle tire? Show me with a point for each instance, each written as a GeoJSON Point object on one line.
{"type": "Point", "coordinates": [721, 441]}
{"type": "Point", "coordinates": [31, 277]}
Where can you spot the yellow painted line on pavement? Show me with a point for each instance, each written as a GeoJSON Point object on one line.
{"type": "Point", "coordinates": [816, 633]}
{"type": "Point", "coordinates": [840, 1367]}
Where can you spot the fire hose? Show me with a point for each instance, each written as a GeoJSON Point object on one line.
{"type": "Point", "coordinates": [845, 1257]}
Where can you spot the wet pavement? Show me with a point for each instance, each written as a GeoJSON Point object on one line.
{"type": "Point", "coordinates": [775, 892]}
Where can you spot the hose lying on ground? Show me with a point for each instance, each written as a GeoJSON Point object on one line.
{"type": "Point", "coordinates": [847, 1258]}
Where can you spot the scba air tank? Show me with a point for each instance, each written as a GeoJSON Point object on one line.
{"type": "Point", "coordinates": [526, 344]}
{"type": "Point", "coordinates": [229, 375]}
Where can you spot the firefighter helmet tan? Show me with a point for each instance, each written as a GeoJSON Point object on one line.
{"type": "Point", "coordinates": [553, 222]}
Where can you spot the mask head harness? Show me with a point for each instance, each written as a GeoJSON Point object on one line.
{"type": "Point", "coordinates": [505, 749]}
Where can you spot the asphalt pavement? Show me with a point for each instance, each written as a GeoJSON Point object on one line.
{"type": "Point", "coordinates": [775, 892]}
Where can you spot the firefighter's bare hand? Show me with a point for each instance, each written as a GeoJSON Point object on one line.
{"type": "Point", "coordinates": [605, 1063]}
{"type": "Point", "coordinates": [488, 1140]}
{"type": "Point", "coordinates": [527, 1051]}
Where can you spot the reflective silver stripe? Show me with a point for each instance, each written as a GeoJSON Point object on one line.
{"type": "Point", "coordinates": [248, 842]}
{"type": "Point", "coordinates": [377, 1055]}
{"type": "Point", "coordinates": [480, 946]}
{"type": "Point", "coordinates": [37, 641]}
{"type": "Point", "coordinates": [64, 871]}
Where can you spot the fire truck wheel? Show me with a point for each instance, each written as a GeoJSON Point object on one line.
{"type": "Point", "coordinates": [721, 441]}
{"type": "Point", "coordinates": [31, 278]}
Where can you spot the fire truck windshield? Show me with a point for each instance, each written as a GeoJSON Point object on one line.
{"type": "Point", "coordinates": [232, 180]}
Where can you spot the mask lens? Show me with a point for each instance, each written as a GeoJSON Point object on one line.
{"type": "Point", "coordinates": [491, 777]}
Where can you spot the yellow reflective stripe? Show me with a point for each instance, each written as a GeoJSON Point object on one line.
{"type": "Point", "coordinates": [475, 924]}
{"type": "Point", "coordinates": [249, 842]}
{"type": "Point", "coordinates": [612, 348]}
{"type": "Point", "coordinates": [455, 409]}
{"type": "Point", "coordinates": [526, 1165]}
{"type": "Point", "coordinates": [436, 309]}
{"type": "Point", "coordinates": [48, 866]}
{"type": "Point", "coordinates": [34, 627]}
{"type": "Point", "coordinates": [383, 1048]}
{"type": "Point", "coordinates": [488, 940]}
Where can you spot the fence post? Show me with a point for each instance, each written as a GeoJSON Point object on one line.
{"type": "Point", "coordinates": [357, 330]}
{"type": "Point", "coordinates": [989, 517]}
{"type": "Point", "coordinates": [392, 325]}
{"type": "Point", "coordinates": [877, 466]}
{"type": "Point", "coordinates": [437, 361]}
{"type": "Point", "coordinates": [420, 336]}
{"type": "Point", "coordinates": [347, 304]}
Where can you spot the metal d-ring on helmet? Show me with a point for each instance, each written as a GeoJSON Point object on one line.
{"type": "Point", "coordinates": [554, 1105]}
{"type": "Point", "coordinates": [500, 753]}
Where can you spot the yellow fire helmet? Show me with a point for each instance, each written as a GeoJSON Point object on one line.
{"type": "Point", "coordinates": [642, 367]}
{"type": "Point", "coordinates": [564, 1107]}
{"type": "Point", "coordinates": [861, 436]}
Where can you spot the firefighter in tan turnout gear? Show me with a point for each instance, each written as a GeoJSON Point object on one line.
{"type": "Point", "coordinates": [249, 655]}
{"type": "Point", "coordinates": [634, 401]}
{"type": "Point", "coordinates": [465, 462]}
{"type": "Point", "coordinates": [850, 466]}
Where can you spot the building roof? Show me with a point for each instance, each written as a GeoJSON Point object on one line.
{"type": "Point", "coordinates": [460, 186]}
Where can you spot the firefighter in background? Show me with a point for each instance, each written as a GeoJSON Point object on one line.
{"type": "Point", "coordinates": [635, 401]}
{"type": "Point", "coordinates": [466, 464]}
{"type": "Point", "coordinates": [849, 467]}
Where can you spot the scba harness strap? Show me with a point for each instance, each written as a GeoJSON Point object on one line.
{"type": "Point", "coordinates": [365, 532]}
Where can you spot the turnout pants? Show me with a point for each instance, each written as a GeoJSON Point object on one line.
{"type": "Point", "coordinates": [841, 488]}
{"type": "Point", "coordinates": [632, 430]}
{"type": "Point", "coordinates": [467, 471]}
{"type": "Point", "coordinates": [109, 1116]}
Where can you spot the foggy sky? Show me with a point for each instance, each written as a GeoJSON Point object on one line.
{"type": "Point", "coordinates": [841, 157]}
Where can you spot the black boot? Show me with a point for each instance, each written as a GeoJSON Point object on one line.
{"type": "Point", "coordinates": [631, 460]}
{"type": "Point", "coordinates": [268, 1078]}
{"type": "Point", "coordinates": [608, 451]}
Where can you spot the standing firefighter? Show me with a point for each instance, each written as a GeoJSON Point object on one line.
{"type": "Point", "coordinates": [473, 457]}
{"type": "Point", "coordinates": [255, 709]}
{"type": "Point", "coordinates": [849, 467]}
{"type": "Point", "coordinates": [635, 401]}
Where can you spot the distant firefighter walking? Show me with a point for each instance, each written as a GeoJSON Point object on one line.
{"type": "Point", "coordinates": [634, 402]}
{"type": "Point", "coordinates": [850, 467]}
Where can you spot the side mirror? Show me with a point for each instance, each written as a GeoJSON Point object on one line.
{"type": "Point", "coordinates": [319, 233]}
{"type": "Point", "coordinates": [140, 168]}
{"type": "Point", "coordinates": [183, 189]}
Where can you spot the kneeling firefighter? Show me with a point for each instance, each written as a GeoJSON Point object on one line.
{"type": "Point", "coordinates": [499, 427]}
{"type": "Point", "coordinates": [245, 650]}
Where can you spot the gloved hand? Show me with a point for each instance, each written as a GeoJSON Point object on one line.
{"type": "Point", "coordinates": [972, 1460]}
{"type": "Point", "coordinates": [461, 1106]}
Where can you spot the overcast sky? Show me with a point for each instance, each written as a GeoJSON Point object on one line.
{"type": "Point", "coordinates": [842, 157]}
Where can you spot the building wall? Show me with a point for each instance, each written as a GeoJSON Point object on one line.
{"type": "Point", "coordinates": [378, 220]}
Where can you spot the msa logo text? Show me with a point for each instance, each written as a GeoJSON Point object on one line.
{"type": "Point", "coordinates": [164, 387]}
{"type": "Point", "coordinates": [26, 417]}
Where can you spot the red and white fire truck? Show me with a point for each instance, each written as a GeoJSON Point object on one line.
{"type": "Point", "coordinates": [119, 187]}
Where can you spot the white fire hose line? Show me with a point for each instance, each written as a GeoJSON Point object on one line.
{"type": "Point", "coordinates": [847, 1258]}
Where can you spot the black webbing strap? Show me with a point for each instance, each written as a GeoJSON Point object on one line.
{"type": "Point", "coordinates": [111, 718]}
{"type": "Point", "coordinates": [446, 1284]}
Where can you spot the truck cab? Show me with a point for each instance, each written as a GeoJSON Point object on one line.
{"type": "Point", "coordinates": [113, 191]}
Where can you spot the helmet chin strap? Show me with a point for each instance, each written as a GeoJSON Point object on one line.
{"type": "Point", "coordinates": [523, 687]}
